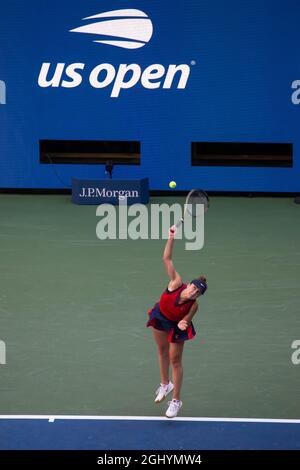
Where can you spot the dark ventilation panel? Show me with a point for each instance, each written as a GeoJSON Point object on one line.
{"type": "Point", "coordinates": [90, 151]}
{"type": "Point", "coordinates": [242, 154]}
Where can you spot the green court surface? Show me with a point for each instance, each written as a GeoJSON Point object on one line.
{"type": "Point", "coordinates": [73, 311]}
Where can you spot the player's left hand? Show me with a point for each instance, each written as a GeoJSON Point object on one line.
{"type": "Point", "coordinates": [183, 324]}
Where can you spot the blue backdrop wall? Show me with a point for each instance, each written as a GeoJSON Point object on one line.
{"type": "Point", "coordinates": [238, 84]}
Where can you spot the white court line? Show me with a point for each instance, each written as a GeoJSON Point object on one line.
{"type": "Point", "coordinates": [52, 418]}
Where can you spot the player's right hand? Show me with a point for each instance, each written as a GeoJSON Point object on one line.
{"type": "Point", "coordinates": [172, 231]}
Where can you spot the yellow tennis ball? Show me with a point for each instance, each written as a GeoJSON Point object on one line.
{"type": "Point", "coordinates": [172, 184]}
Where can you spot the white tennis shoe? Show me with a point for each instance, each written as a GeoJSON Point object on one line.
{"type": "Point", "coordinates": [163, 391]}
{"type": "Point", "coordinates": [174, 407]}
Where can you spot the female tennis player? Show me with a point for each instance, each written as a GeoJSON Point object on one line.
{"type": "Point", "coordinates": [171, 319]}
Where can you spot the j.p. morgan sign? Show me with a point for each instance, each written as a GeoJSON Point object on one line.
{"type": "Point", "coordinates": [110, 191]}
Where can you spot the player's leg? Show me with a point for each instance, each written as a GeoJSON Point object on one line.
{"type": "Point", "coordinates": [161, 339]}
{"type": "Point", "coordinates": [175, 354]}
{"type": "Point", "coordinates": [176, 350]}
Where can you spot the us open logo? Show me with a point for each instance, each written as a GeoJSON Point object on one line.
{"type": "Point", "coordinates": [295, 97]}
{"type": "Point", "coordinates": [127, 29]}
{"type": "Point", "coordinates": [133, 26]}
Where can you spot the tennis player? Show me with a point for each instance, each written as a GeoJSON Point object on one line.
{"type": "Point", "coordinates": [171, 319]}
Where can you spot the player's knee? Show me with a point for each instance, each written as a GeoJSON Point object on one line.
{"type": "Point", "coordinates": [175, 361]}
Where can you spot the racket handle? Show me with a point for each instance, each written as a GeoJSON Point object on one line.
{"type": "Point", "coordinates": [180, 222]}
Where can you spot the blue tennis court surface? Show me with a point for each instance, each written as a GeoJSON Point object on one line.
{"type": "Point", "coordinates": [91, 433]}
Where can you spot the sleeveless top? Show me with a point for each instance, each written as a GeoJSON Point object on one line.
{"type": "Point", "coordinates": [170, 307]}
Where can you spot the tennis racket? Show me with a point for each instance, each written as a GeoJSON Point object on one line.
{"type": "Point", "coordinates": [192, 204]}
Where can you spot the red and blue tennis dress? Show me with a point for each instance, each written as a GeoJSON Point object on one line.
{"type": "Point", "coordinates": [166, 314]}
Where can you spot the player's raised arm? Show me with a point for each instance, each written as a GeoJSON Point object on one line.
{"type": "Point", "coordinates": [175, 279]}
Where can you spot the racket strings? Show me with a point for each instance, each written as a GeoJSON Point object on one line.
{"type": "Point", "coordinates": [196, 203]}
